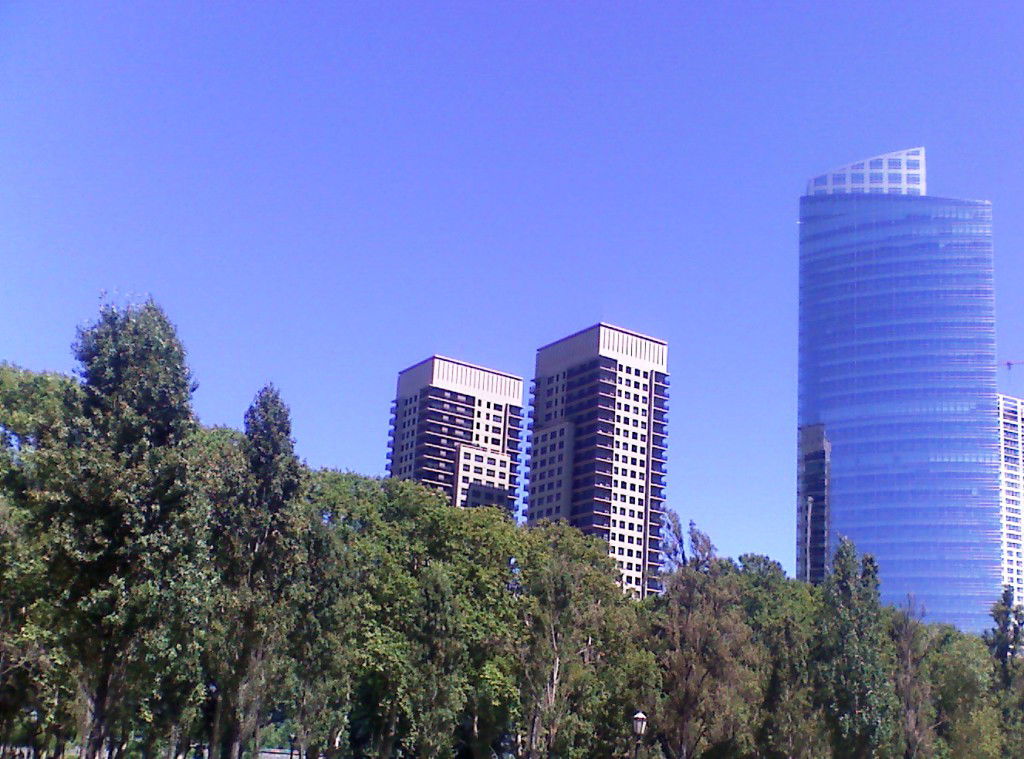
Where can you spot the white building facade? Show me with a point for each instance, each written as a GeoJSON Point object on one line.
{"type": "Point", "coordinates": [1011, 410]}
{"type": "Point", "coordinates": [598, 447]}
{"type": "Point", "coordinates": [457, 427]}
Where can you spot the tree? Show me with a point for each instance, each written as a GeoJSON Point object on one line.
{"type": "Point", "coordinates": [707, 657]}
{"type": "Point", "coordinates": [123, 541]}
{"type": "Point", "coordinates": [34, 674]}
{"type": "Point", "coordinates": [912, 643]}
{"type": "Point", "coordinates": [438, 625]}
{"type": "Point", "coordinates": [783, 613]}
{"type": "Point", "coordinates": [579, 632]}
{"type": "Point", "coordinates": [967, 718]}
{"type": "Point", "coordinates": [854, 659]}
{"type": "Point", "coordinates": [326, 603]}
{"type": "Point", "coordinates": [255, 543]}
{"type": "Point", "coordinates": [1006, 640]}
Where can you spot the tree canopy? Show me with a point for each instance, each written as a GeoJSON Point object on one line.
{"type": "Point", "coordinates": [167, 587]}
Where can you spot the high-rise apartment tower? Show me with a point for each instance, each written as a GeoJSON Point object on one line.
{"type": "Point", "coordinates": [598, 456]}
{"type": "Point", "coordinates": [457, 427]}
{"type": "Point", "coordinates": [898, 421]}
{"type": "Point", "coordinates": [1011, 411]}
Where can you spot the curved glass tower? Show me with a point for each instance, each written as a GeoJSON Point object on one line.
{"type": "Point", "coordinates": [898, 426]}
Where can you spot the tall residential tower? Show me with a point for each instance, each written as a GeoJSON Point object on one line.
{"type": "Point", "coordinates": [1011, 411]}
{"type": "Point", "coordinates": [898, 421]}
{"type": "Point", "coordinates": [599, 444]}
{"type": "Point", "coordinates": [457, 427]}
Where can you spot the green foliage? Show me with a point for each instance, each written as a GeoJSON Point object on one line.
{"type": "Point", "coordinates": [707, 658]}
{"type": "Point", "coordinates": [164, 584]}
{"type": "Point", "coordinates": [103, 483]}
{"type": "Point", "coordinates": [579, 665]}
{"type": "Point", "coordinates": [854, 660]}
{"type": "Point", "coordinates": [783, 616]}
{"type": "Point", "coordinates": [256, 546]}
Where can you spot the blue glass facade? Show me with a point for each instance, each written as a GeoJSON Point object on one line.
{"type": "Point", "coordinates": [897, 407]}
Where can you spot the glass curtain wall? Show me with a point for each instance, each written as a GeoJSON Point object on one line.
{"type": "Point", "coordinates": [898, 381]}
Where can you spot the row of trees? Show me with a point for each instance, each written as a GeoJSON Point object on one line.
{"type": "Point", "coordinates": [164, 585]}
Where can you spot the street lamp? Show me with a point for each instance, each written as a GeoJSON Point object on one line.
{"type": "Point", "coordinates": [639, 728]}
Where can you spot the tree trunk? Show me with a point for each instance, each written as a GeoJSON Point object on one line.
{"type": "Point", "coordinates": [213, 740]}
{"type": "Point", "coordinates": [172, 742]}
{"type": "Point", "coordinates": [97, 717]}
{"type": "Point", "coordinates": [387, 743]}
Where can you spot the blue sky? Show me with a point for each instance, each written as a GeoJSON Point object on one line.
{"type": "Point", "coordinates": [322, 194]}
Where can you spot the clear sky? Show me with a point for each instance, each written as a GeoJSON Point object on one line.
{"type": "Point", "coordinates": [321, 194]}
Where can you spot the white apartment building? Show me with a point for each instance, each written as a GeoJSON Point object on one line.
{"type": "Point", "coordinates": [1011, 410]}
{"type": "Point", "coordinates": [598, 455]}
{"type": "Point", "coordinates": [457, 427]}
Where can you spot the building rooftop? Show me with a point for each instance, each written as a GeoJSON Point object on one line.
{"type": "Point", "coordinates": [437, 357]}
{"type": "Point", "coordinates": [901, 172]}
{"type": "Point", "coordinates": [606, 325]}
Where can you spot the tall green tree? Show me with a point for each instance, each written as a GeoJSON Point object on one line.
{"type": "Point", "coordinates": [578, 644]}
{"type": "Point", "coordinates": [783, 613]}
{"type": "Point", "coordinates": [124, 542]}
{"type": "Point", "coordinates": [854, 660]}
{"type": "Point", "coordinates": [912, 643]}
{"type": "Point", "coordinates": [35, 676]}
{"type": "Point", "coordinates": [968, 722]}
{"type": "Point", "coordinates": [707, 656]}
{"type": "Point", "coordinates": [327, 604]}
{"type": "Point", "coordinates": [256, 548]}
{"type": "Point", "coordinates": [1005, 642]}
{"type": "Point", "coordinates": [433, 672]}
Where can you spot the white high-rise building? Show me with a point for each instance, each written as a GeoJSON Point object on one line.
{"type": "Point", "coordinates": [457, 427]}
{"type": "Point", "coordinates": [1011, 410]}
{"type": "Point", "coordinates": [598, 446]}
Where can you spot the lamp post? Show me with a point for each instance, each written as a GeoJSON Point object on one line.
{"type": "Point", "coordinates": [639, 728]}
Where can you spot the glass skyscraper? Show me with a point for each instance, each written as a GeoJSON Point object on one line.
{"type": "Point", "coordinates": [898, 426]}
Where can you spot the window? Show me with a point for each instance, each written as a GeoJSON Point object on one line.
{"type": "Point", "coordinates": [913, 179]}
{"type": "Point", "coordinates": [913, 163]}
{"type": "Point", "coordinates": [897, 178]}
{"type": "Point", "coordinates": [839, 179]}
{"type": "Point", "coordinates": [876, 163]}
{"type": "Point", "coordinates": [857, 178]}
{"type": "Point", "coordinates": [876, 177]}
{"type": "Point", "coordinates": [895, 163]}
{"type": "Point", "coordinates": [819, 181]}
